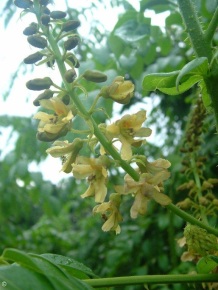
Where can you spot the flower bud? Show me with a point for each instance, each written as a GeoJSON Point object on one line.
{"type": "Point", "coordinates": [49, 137]}
{"type": "Point", "coordinates": [66, 99]}
{"type": "Point", "coordinates": [33, 58]}
{"type": "Point", "coordinates": [31, 29]}
{"type": "Point", "coordinates": [70, 25]}
{"type": "Point", "coordinates": [47, 94]}
{"type": "Point", "coordinates": [37, 41]}
{"type": "Point", "coordinates": [120, 91]}
{"type": "Point", "coordinates": [71, 42]}
{"type": "Point", "coordinates": [44, 2]}
{"type": "Point", "coordinates": [95, 76]}
{"type": "Point", "coordinates": [24, 4]}
{"type": "Point", "coordinates": [45, 19]}
{"type": "Point", "coordinates": [199, 241]}
{"type": "Point", "coordinates": [45, 10]}
{"type": "Point", "coordinates": [58, 14]}
{"type": "Point", "coordinates": [39, 84]}
{"type": "Point", "coordinates": [70, 75]}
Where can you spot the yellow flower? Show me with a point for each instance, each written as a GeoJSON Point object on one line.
{"type": "Point", "coordinates": [120, 90]}
{"type": "Point", "coordinates": [53, 126]}
{"type": "Point", "coordinates": [110, 212]}
{"type": "Point", "coordinates": [96, 172]}
{"type": "Point", "coordinates": [148, 187]}
{"type": "Point", "coordinates": [67, 151]}
{"type": "Point", "coordinates": [126, 129]}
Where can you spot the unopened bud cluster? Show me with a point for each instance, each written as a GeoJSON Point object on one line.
{"type": "Point", "coordinates": [200, 196]}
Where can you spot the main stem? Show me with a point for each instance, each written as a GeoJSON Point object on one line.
{"type": "Point", "coordinates": [201, 43]}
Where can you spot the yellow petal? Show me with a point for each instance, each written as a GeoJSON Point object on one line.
{"type": "Point", "coordinates": [161, 198]}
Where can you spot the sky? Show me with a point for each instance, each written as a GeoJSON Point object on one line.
{"type": "Point", "coordinates": [15, 48]}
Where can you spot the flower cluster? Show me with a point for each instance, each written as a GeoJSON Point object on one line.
{"type": "Point", "coordinates": [55, 38]}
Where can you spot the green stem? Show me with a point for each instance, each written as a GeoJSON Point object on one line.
{"type": "Point", "coordinates": [200, 44]}
{"type": "Point", "coordinates": [190, 219]}
{"type": "Point", "coordinates": [151, 279]}
{"type": "Point", "coordinates": [211, 27]}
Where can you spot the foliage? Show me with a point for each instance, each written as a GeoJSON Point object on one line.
{"type": "Point", "coordinates": [40, 217]}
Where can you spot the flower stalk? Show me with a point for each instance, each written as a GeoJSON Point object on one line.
{"type": "Point", "coordinates": [151, 279]}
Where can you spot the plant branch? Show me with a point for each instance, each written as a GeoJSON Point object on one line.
{"type": "Point", "coordinates": [150, 279]}
{"type": "Point", "coordinates": [200, 44]}
{"type": "Point", "coordinates": [190, 219]}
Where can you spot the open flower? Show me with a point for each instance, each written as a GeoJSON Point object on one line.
{"type": "Point", "coordinates": [95, 170]}
{"type": "Point", "coordinates": [120, 91]}
{"type": "Point", "coordinates": [148, 187]}
{"type": "Point", "coordinates": [67, 151]}
{"type": "Point", "coordinates": [126, 129]}
{"type": "Point", "coordinates": [110, 212]}
{"type": "Point", "coordinates": [53, 126]}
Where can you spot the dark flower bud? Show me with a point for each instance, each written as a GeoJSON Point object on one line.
{"type": "Point", "coordinates": [70, 75]}
{"type": "Point", "coordinates": [70, 25]}
{"type": "Point", "coordinates": [49, 137]}
{"type": "Point", "coordinates": [37, 41]}
{"type": "Point", "coordinates": [94, 76]}
{"type": "Point", "coordinates": [24, 4]}
{"type": "Point", "coordinates": [71, 42]}
{"type": "Point", "coordinates": [73, 60]}
{"type": "Point", "coordinates": [66, 99]}
{"type": "Point", "coordinates": [33, 58]}
{"type": "Point", "coordinates": [58, 14]}
{"type": "Point", "coordinates": [45, 19]}
{"type": "Point", "coordinates": [44, 2]}
{"type": "Point", "coordinates": [51, 62]}
{"type": "Point", "coordinates": [39, 84]}
{"type": "Point", "coordinates": [45, 10]}
{"type": "Point", "coordinates": [47, 94]}
{"type": "Point", "coordinates": [31, 29]}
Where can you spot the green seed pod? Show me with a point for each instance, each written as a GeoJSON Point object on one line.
{"type": "Point", "coordinates": [94, 76]}
{"type": "Point", "coordinates": [24, 4]}
{"type": "Point", "coordinates": [37, 41]}
{"type": "Point", "coordinates": [70, 25]}
{"type": "Point", "coordinates": [47, 94]}
{"type": "Point", "coordinates": [33, 58]}
{"type": "Point", "coordinates": [45, 19]}
{"type": "Point", "coordinates": [70, 75]}
{"type": "Point", "coordinates": [58, 14]}
{"type": "Point", "coordinates": [31, 29]}
{"type": "Point", "coordinates": [71, 43]}
{"type": "Point", "coordinates": [39, 84]}
{"type": "Point", "coordinates": [72, 58]}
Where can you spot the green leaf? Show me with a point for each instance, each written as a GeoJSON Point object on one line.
{"type": "Point", "coordinates": [207, 264]}
{"type": "Point", "coordinates": [56, 275]}
{"type": "Point", "coordinates": [198, 66]}
{"type": "Point", "coordinates": [19, 278]}
{"type": "Point", "coordinates": [166, 83]}
{"type": "Point", "coordinates": [73, 267]}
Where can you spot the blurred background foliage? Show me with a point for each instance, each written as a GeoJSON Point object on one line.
{"type": "Point", "coordinates": [39, 216]}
